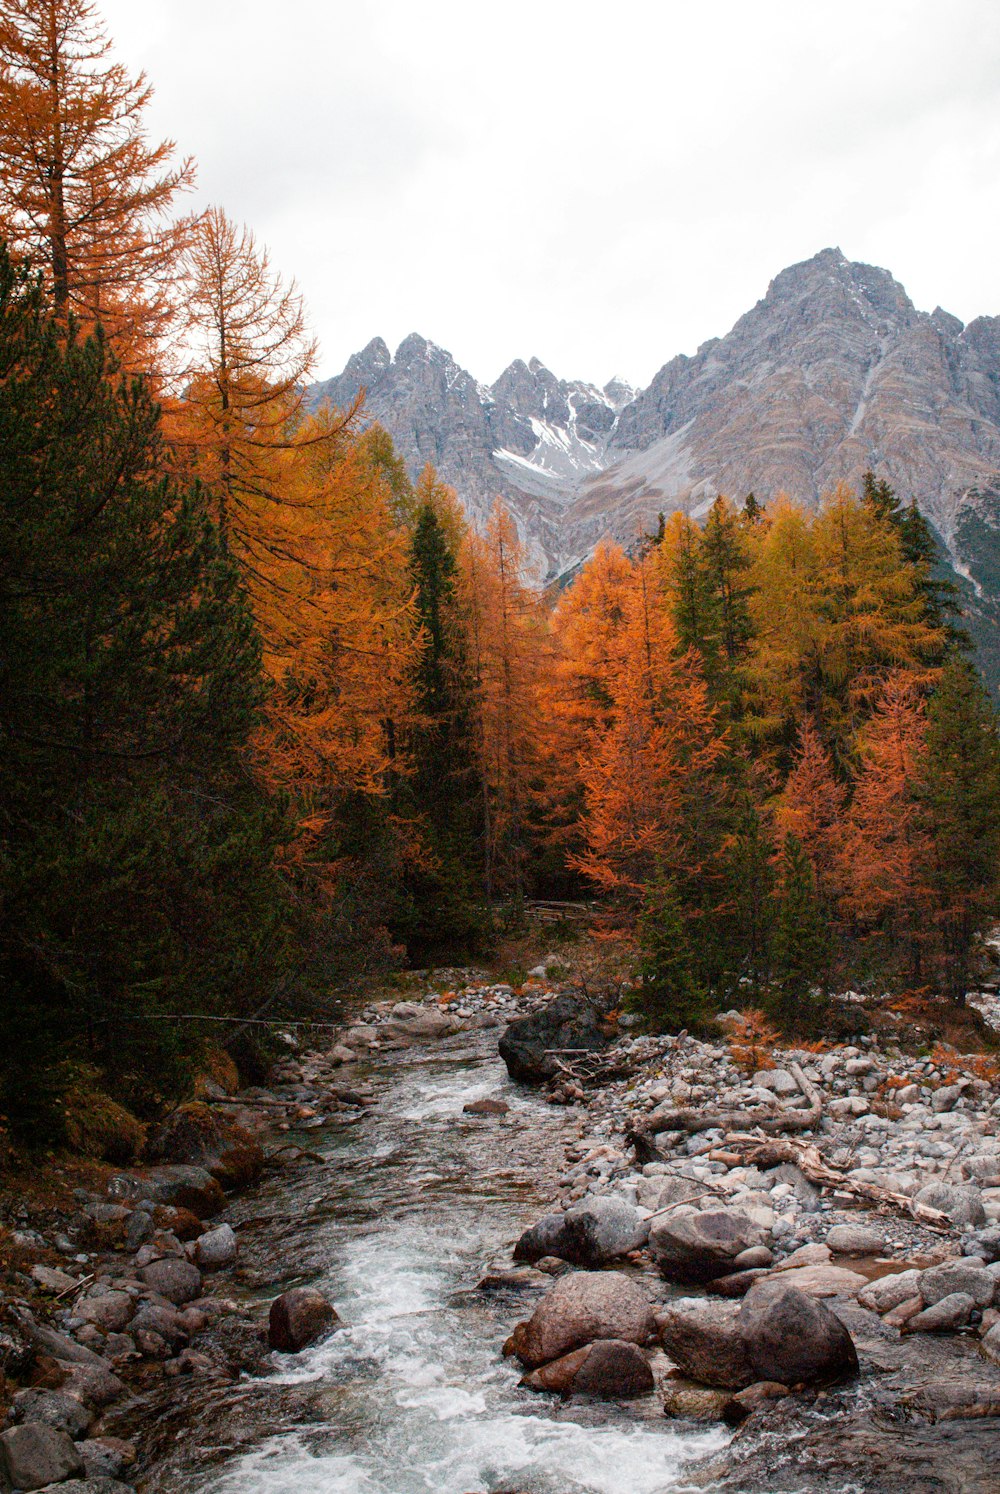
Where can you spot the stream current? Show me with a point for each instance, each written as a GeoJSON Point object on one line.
{"type": "Point", "coordinates": [416, 1202]}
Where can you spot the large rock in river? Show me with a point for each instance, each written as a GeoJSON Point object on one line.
{"type": "Point", "coordinates": [609, 1368]}
{"type": "Point", "coordinates": [703, 1246]}
{"type": "Point", "coordinates": [582, 1307]}
{"type": "Point", "coordinates": [593, 1232]}
{"type": "Point", "coordinates": [563, 1023]}
{"type": "Point", "coordinates": [704, 1341]}
{"type": "Point", "coordinates": [298, 1318]}
{"type": "Point", "coordinates": [197, 1134]}
{"type": "Point", "coordinates": [793, 1338]}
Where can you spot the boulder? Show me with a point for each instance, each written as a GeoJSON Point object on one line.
{"type": "Point", "coordinates": [855, 1239]}
{"type": "Point", "coordinates": [51, 1341]}
{"type": "Point", "coordinates": [889, 1291]}
{"type": "Point", "coordinates": [217, 1248]}
{"type": "Point", "coordinates": [970, 1278]}
{"type": "Point", "coordinates": [601, 1229]}
{"type": "Point", "coordinates": [699, 1247]}
{"type": "Point", "coordinates": [410, 1022]}
{"type": "Point", "coordinates": [191, 1188]}
{"type": "Point", "coordinates": [300, 1317]}
{"type": "Point", "coordinates": [177, 1280]}
{"type": "Point", "coordinates": [486, 1107]}
{"type": "Point", "coordinates": [963, 1205]}
{"type": "Point", "coordinates": [89, 1485]}
{"type": "Point", "coordinates": [987, 1243]}
{"type": "Point", "coordinates": [33, 1455]}
{"type": "Point", "coordinates": [690, 1402]}
{"type": "Point", "coordinates": [109, 1311]}
{"type": "Point", "coordinates": [778, 1081]}
{"type": "Point", "coordinates": [542, 1239]}
{"type": "Point", "coordinates": [53, 1407]}
{"type": "Point", "coordinates": [106, 1457]}
{"type": "Point", "coordinates": [793, 1338]}
{"type": "Point", "coordinates": [51, 1279]}
{"type": "Point", "coordinates": [200, 1135]}
{"type": "Point", "coordinates": [823, 1280]}
{"type": "Point", "coordinates": [581, 1307]}
{"type": "Point", "coordinates": [947, 1314]}
{"type": "Point", "coordinates": [608, 1368]}
{"type": "Point", "coordinates": [527, 1042]}
{"type": "Point", "coordinates": [704, 1341]}
{"type": "Point", "coordinates": [166, 1322]}
{"type": "Point", "coordinates": [990, 1344]}
{"type": "Point", "coordinates": [96, 1385]}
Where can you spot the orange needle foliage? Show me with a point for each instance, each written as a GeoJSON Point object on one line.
{"type": "Point", "coordinates": [81, 190]}
{"type": "Point", "coordinates": [641, 776]}
{"type": "Point", "coordinates": [811, 808]}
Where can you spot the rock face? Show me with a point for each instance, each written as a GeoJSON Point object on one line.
{"type": "Point", "coordinates": [700, 1247]}
{"type": "Point", "coordinates": [609, 1368]}
{"type": "Point", "coordinates": [298, 1318]}
{"type": "Point", "coordinates": [563, 1023]}
{"type": "Point", "coordinates": [833, 371]}
{"type": "Point", "coordinates": [580, 1308]}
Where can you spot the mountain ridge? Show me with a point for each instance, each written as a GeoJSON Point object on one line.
{"type": "Point", "coordinates": [833, 371]}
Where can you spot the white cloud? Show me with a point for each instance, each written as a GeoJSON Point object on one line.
{"type": "Point", "coordinates": [602, 186]}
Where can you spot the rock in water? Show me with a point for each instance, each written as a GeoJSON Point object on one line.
{"type": "Point", "coordinates": [700, 1247]}
{"type": "Point", "coordinates": [178, 1281]}
{"type": "Point", "coordinates": [704, 1340]}
{"type": "Point", "coordinates": [217, 1248]}
{"type": "Point", "coordinates": [792, 1338]}
{"type": "Point", "coordinates": [609, 1368]}
{"type": "Point", "coordinates": [563, 1023]}
{"type": "Point", "coordinates": [601, 1229]}
{"type": "Point", "coordinates": [298, 1318]}
{"type": "Point", "coordinates": [580, 1308]}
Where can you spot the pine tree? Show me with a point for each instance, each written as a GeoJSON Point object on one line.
{"type": "Point", "coordinates": [959, 797]}
{"type": "Point", "coordinates": [801, 940]}
{"type": "Point", "coordinates": [670, 996]}
{"type": "Point", "coordinates": [136, 855]}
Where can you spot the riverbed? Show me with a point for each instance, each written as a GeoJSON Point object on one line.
{"type": "Point", "coordinates": [398, 1222]}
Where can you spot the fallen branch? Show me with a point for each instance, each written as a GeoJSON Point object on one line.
{"type": "Point", "coordinates": [807, 1158]}
{"type": "Point", "coordinates": [772, 1123]}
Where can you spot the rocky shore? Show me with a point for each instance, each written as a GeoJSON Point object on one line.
{"type": "Point", "coordinates": [803, 1246]}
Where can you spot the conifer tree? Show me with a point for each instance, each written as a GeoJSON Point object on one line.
{"type": "Point", "coordinates": [670, 996]}
{"type": "Point", "coordinates": [959, 797]}
{"type": "Point", "coordinates": [135, 852]}
{"type": "Point", "coordinates": [801, 939]}
{"type": "Point", "coordinates": [82, 191]}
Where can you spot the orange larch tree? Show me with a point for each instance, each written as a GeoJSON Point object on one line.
{"type": "Point", "coordinates": [82, 190]}
{"type": "Point", "coordinates": [811, 809]}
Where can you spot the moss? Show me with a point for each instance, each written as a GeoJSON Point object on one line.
{"type": "Point", "coordinates": [97, 1126]}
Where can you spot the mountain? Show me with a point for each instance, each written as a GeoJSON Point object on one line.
{"type": "Point", "coordinates": [832, 372]}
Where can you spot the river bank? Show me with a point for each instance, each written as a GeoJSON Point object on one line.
{"type": "Point", "coordinates": [403, 1208]}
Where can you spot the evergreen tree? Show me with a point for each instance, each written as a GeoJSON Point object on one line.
{"type": "Point", "coordinates": [671, 996]}
{"type": "Point", "coordinates": [959, 798]}
{"type": "Point", "coordinates": [135, 851]}
{"type": "Point", "coordinates": [801, 940]}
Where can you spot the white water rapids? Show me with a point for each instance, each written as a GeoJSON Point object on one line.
{"type": "Point", "coordinates": [416, 1396]}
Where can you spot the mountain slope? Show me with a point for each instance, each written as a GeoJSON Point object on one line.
{"type": "Point", "coordinates": [833, 371]}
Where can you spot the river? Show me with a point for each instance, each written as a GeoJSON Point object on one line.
{"type": "Point", "coordinates": [412, 1395]}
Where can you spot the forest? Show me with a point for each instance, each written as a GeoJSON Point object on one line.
{"type": "Point", "coordinates": [275, 718]}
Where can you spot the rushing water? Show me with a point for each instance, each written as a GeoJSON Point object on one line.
{"type": "Point", "coordinates": [415, 1396]}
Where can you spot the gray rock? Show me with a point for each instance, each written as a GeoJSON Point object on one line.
{"type": "Point", "coordinates": [944, 1099]}
{"type": "Point", "coordinates": [50, 1341]}
{"type": "Point", "coordinates": [793, 1338]}
{"type": "Point", "coordinates": [110, 1311]}
{"type": "Point", "coordinates": [51, 1279]}
{"type": "Point", "coordinates": [106, 1457]}
{"type": "Point", "coordinates": [542, 1239]}
{"type": "Point", "coordinates": [601, 1229]}
{"type": "Point", "coordinates": [957, 1276]}
{"type": "Point", "coordinates": [987, 1242]}
{"type": "Point", "coordinates": [89, 1485]}
{"type": "Point", "coordinates": [963, 1205]}
{"type": "Point", "coordinates": [953, 1311]}
{"type": "Point", "coordinates": [54, 1408]}
{"type": "Point", "coordinates": [889, 1291]}
{"type": "Point", "coordinates": [990, 1344]}
{"type": "Point", "coordinates": [699, 1247]}
{"type": "Point", "coordinates": [177, 1280]}
{"type": "Point", "coordinates": [298, 1318]}
{"type": "Point", "coordinates": [33, 1455]}
{"type": "Point", "coordinates": [855, 1239]}
{"type": "Point", "coordinates": [705, 1342]}
{"type": "Point", "coordinates": [778, 1081]}
{"type": "Point", "coordinates": [217, 1248]}
{"type": "Point", "coordinates": [609, 1369]}
{"type": "Point", "coordinates": [167, 1323]}
{"type": "Point", "coordinates": [187, 1187]}
{"type": "Point", "coordinates": [527, 1043]}
{"type": "Point", "coordinates": [582, 1307]}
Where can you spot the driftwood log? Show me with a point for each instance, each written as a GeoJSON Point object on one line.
{"type": "Point", "coordinates": [770, 1122]}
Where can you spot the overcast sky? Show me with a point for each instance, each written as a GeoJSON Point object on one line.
{"type": "Point", "coordinates": [600, 185]}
